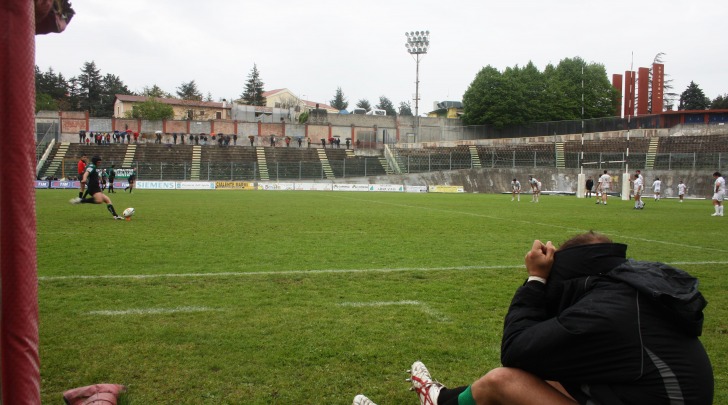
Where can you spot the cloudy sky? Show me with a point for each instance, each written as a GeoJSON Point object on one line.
{"type": "Point", "coordinates": [313, 47]}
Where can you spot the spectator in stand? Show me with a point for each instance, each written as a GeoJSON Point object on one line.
{"type": "Point", "coordinates": [300, 140]}
{"type": "Point", "coordinates": [108, 138]}
{"type": "Point", "coordinates": [288, 142]}
{"type": "Point", "coordinates": [174, 138]}
{"type": "Point", "coordinates": [197, 139]}
{"type": "Point", "coordinates": [251, 138]}
{"type": "Point", "coordinates": [348, 142]}
{"type": "Point", "coordinates": [136, 137]}
{"type": "Point", "coordinates": [235, 139]}
{"type": "Point", "coordinates": [358, 144]}
{"type": "Point", "coordinates": [331, 142]}
{"type": "Point", "coordinates": [323, 143]}
{"type": "Point", "coordinates": [81, 136]}
{"type": "Point", "coordinates": [273, 140]}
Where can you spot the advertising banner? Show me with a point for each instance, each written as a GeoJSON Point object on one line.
{"type": "Point", "coordinates": [155, 185]}
{"type": "Point", "coordinates": [234, 185]}
{"type": "Point", "coordinates": [351, 187]}
{"type": "Point", "coordinates": [42, 184]}
{"type": "Point", "coordinates": [65, 184]}
{"type": "Point", "coordinates": [386, 187]}
{"type": "Point", "coordinates": [415, 189]}
{"type": "Point", "coordinates": [314, 186]}
{"type": "Point", "coordinates": [446, 189]}
{"type": "Point", "coordinates": [195, 185]}
{"type": "Point", "coordinates": [123, 173]}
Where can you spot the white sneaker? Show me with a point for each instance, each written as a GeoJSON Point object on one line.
{"type": "Point", "coordinates": [427, 389]}
{"type": "Point", "coordinates": [714, 215]}
{"type": "Point", "coordinates": [362, 400]}
{"type": "Point", "coordinates": [75, 200]}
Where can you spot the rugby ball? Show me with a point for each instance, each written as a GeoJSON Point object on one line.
{"type": "Point", "coordinates": [128, 212]}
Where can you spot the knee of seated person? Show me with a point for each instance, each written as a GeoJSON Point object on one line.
{"type": "Point", "coordinates": [492, 381]}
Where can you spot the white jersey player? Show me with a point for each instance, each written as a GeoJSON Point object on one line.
{"type": "Point", "coordinates": [516, 189]}
{"type": "Point", "coordinates": [638, 189]}
{"type": "Point", "coordinates": [605, 183]}
{"type": "Point", "coordinates": [656, 187]}
{"type": "Point", "coordinates": [535, 188]}
{"type": "Point", "coordinates": [681, 189]}
{"type": "Point", "coordinates": [718, 194]}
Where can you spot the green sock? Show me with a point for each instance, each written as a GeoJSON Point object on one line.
{"type": "Point", "coordinates": [466, 397]}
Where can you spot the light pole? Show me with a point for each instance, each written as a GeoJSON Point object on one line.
{"type": "Point", "coordinates": [417, 44]}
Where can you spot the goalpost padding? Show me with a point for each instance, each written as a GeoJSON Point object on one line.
{"type": "Point", "coordinates": [20, 365]}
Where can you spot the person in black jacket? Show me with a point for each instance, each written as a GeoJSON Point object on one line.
{"type": "Point", "coordinates": [590, 326]}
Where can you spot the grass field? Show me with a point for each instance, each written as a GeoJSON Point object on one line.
{"type": "Point", "coordinates": [250, 297]}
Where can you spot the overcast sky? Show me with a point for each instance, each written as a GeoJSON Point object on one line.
{"type": "Point", "coordinates": [313, 47]}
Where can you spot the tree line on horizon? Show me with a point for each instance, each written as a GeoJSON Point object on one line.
{"type": "Point", "coordinates": [514, 96]}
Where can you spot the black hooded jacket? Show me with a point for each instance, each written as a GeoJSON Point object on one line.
{"type": "Point", "coordinates": [612, 330]}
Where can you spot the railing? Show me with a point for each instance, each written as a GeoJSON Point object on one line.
{"type": "Point", "coordinates": [248, 171]}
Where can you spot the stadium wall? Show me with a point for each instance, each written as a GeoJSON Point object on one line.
{"type": "Point", "coordinates": [554, 181]}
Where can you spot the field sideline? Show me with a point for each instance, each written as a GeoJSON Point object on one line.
{"type": "Point", "coordinates": [280, 297]}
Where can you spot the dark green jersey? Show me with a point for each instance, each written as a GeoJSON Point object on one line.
{"type": "Point", "coordinates": [112, 173]}
{"type": "Point", "coordinates": [93, 174]}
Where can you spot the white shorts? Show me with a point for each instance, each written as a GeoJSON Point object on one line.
{"type": "Point", "coordinates": [719, 196]}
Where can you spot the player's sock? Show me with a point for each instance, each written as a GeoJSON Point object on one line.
{"type": "Point", "coordinates": [80, 194]}
{"type": "Point", "coordinates": [720, 209]}
{"type": "Point", "coordinates": [89, 200]}
{"type": "Point", "coordinates": [450, 396]}
{"type": "Point", "coordinates": [111, 209]}
{"type": "Point", "coordinates": [717, 209]}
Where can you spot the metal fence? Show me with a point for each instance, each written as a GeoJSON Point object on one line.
{"type": "Point", "coordinates": [250, 171]}
{"type": "Point", "coordinates": [503, 158]}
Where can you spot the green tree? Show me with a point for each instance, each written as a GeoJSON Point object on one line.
{"type": "Point", "coordinates": [364, 103]}
{"type": "Point", "coordinates": [253, 93]}
{"type": "Point", "coordinates": [405, 109]}
{"type": "Point", "coordinates": [151, 109]}
{"type": "Point", "coordinates": [55, 87]}
{"type": "Point", "coordinates": [111, 85]}
{"type": "Point", "coordinates": [155, 91]}
{"type": "Point", "coordinates": [339, 102]}
{"type": "Point", "coordinates": [693, 98]}
{"type": "Point", "coordinates": [481, 97]}
{"type": "Point", "coordinates": [44, 102]}
{"type": "Point", "coordinates": [90, 89]}
{"type": "Point", "coordinates": [720, 103]}
{"type": "Point", "coordinates": [522, 95]}
{"type": "Point", "coordinates": [189, 91]}
{"type": "Point", "coordinates": [303, 118]}
{"type": "Point", "coordinates": [386, 105]}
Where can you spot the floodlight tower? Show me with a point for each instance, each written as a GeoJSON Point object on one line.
{"type": "Point", "coordinates": [417, 44]}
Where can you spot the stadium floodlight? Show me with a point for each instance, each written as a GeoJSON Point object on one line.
{"type": "Point", "coordinates": [417, 44]}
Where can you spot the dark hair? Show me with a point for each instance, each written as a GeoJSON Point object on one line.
{"type": "Point", "coordinates": [587, 238]}
{"type": "Point", "coordinates": [716, 174]}
{"type": "Point", "coordinates": [95, 159]}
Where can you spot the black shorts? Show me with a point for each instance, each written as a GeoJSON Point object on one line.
{"type": "Point", "coordinates": [93, 188]}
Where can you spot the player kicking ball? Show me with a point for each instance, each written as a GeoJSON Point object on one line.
{"type": "Point", "coordinates": [91, 180]}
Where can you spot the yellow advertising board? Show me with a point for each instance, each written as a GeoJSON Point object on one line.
{"type": "Point", "coordinates": [446, 189]}
{"type": "Point", "coordinates": [234, 185]}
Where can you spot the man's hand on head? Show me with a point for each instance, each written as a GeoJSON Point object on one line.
{"type": "Point", "coordinates": [540, 259]}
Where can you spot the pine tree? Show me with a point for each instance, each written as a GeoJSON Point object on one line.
{"type": "Point", "coordinates": [386, 105]}
{"type": "Point", "coordinates": [364, 103]}
{"type": "Point", "coordinates": [693, 98]}
{"type": "Point", "coordinates": [90, 89]}
{"type": "Point", "coordinates": [405, 109]}
{"type": "Point", "coordinates": [189, 91]}
{"type": "Point", "coordinates": [253, 94]}
{"type": "Point", "coordinates": [339, 102]}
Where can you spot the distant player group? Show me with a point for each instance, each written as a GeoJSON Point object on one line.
{"type": "Point", "coordinates": [604, 184]}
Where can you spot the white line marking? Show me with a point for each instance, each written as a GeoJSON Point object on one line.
{"type": "Point", "coordinates": [422, 306]}
{"type": "Point", "coordinates": [153, 311]}
{"type": "Point", "coordinates": [310, 272]}
{"type": "Point", "coordinates": [271, 273]}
